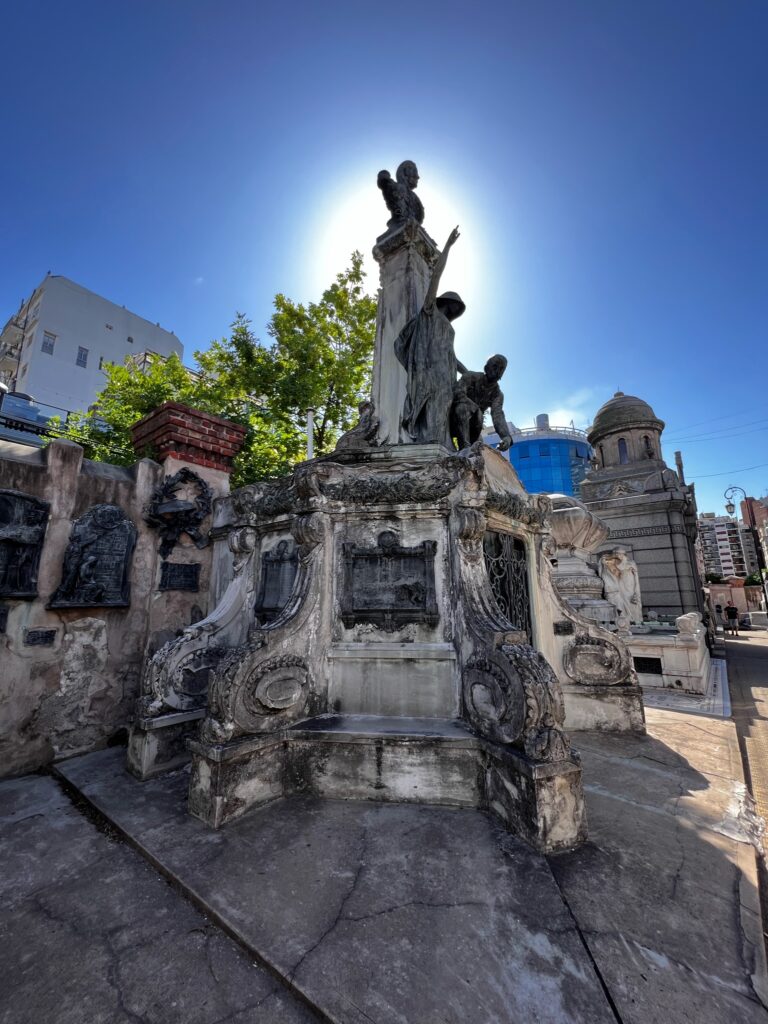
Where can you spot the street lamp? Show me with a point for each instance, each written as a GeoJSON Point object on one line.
{"type": "Point", "coordinates": [730, 508]}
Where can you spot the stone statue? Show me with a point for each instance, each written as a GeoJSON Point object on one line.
{"type": "Point", "coordinates": [364, 433]}
{"type": "Point", "coordinates": [473, 394]}
{"type": "Point", "coordinates": [622, 584]}
{"type": "Point", "coordinates": [402, 202]}
{"type": "Point", "coordinates": [425, 349]}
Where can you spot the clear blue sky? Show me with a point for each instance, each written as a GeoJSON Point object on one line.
{"type": "Point", "coordinates": [607, 161]}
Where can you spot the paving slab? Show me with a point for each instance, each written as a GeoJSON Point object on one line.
{"type": "Point", "coordinates": [91, 934]}
{"type": "Point", "coordinates": [386, 913]}
{"type": "Point", "coordinates": [397, 913]}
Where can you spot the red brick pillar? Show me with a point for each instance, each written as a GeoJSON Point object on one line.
{"type": "Point", "coordinates": [174, 431]}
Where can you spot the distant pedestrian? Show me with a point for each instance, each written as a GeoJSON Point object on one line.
{"type": "Point", "coordinates": [732, 618]}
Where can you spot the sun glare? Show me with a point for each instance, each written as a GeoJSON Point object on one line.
{"type": "Point", "coordinates": [353, 217]}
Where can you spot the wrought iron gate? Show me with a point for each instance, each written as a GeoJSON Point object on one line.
{"type": "Point", "coordinates": [507, 567]}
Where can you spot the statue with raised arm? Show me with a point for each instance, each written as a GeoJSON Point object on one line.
{"type": "Point", "coordinates": [425, 348]}
{"type": "Point", "coordinates": [473, 394]}
{"type": "Point", "coordinates": [402, 202]}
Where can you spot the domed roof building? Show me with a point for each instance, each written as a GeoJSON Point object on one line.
{"type": "Point", "coordinates": [648, 506]}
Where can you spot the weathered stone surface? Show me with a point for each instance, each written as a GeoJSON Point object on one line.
{"type": "Point", "coordinates": [403, 913]}
{"type": "Point", "coordinates": [385, 912]}
{"type": "Point", "coordinates": [91, 933]}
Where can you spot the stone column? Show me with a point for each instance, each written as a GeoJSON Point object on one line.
{"type": "Point", "coordinates": [405, 257]}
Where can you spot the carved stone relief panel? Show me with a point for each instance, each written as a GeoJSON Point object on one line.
{"type": "Point", "coordinates": [97, 561]}
{"type": "Point", "coordinates": [389, 585]}
{"type": "Point", "coordinates": [278, 572]}
{"type": "Point", "coordinates": [23, 519]}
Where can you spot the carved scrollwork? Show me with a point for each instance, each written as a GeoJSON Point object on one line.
{"type": "Point", "coordinates": [494, 699]}
{"type": "Point", "coordinates": [470, 524]}
{"type": "Point", "coordinates": [178, 680]}
{"type": "Point", "coordinates": [307, 531]}
{"type": "Point", "coordinates": [397, 488]}
{"type": "Point", "coordinates": [596, 661]}
{"type": "Point", "coordinates": [512, 696]}
{"type": "Point", "coordinates": [259, 501]}
{"type": "Point", "coordinates": [533, 510]}
{"type": "Point", "coordinates": [250, 696]}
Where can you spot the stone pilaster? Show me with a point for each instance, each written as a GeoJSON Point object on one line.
{"type": "Point", "coordinates": [405, 257]}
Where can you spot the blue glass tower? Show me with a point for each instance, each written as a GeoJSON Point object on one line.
{"type": "Point", "coordinates": [549, 460]}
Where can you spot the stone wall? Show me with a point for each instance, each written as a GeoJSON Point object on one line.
{"type": "Point", "coordinates": [70, 674]}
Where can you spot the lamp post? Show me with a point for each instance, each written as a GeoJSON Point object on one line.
{"type": "Point", "coordinates": [730, 508]}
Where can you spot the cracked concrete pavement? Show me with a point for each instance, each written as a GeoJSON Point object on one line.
{"type": "Point", "coordinates": [93, 935]}
{"type": "Point", "coordinates": [392, 913]}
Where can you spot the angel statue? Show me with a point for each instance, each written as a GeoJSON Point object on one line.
{"type": "Point", "coordinates": [402, 202]}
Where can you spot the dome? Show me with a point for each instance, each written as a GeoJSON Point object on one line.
{"type": "Point", "coordinates": [623, 412]}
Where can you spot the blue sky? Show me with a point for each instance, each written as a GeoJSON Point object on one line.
{"type": "Point", "coordinates": [607, 163]}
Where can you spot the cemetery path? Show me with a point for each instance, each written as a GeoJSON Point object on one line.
{"type": "Point", "coordinates": [405, 914]}
{"type": "Point", "coordinates": [91, 934]}
{"type": "Point", "coordinates": [747, 657]}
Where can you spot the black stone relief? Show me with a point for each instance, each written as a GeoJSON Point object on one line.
{"type": "Point", "coordinates": [180, 576]}
{"type": "Point", "coordinates": [22, 529]}
{"type": "Point", "coordinates": [389, 585]}
{"type": "Point", "coordinates": [278, 572]}
{"type": "Point", "coordinates": [179, 505]}
{"type": "Point", "coordinates": [3, 619]}
{"type": "Point", "coordinates": [97, 561]}
{"type": "Point", "coordinates": [39, 637]}
{"type": "Point", "coordinates": [564, 628]}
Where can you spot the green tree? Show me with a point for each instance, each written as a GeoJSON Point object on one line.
{"type": "Point", "coordinates": [713, 577]}
{"type": "Point", "coordinates": [320, 357]}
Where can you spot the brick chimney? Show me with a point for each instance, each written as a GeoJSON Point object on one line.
{"type": "Point", "coordinates": [174, 431]}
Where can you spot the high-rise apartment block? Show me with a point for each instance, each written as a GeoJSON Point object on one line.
{"type": "Point", "coordinates": [727, 546]}
{"type": "Point", "coordinates": [54, 348]}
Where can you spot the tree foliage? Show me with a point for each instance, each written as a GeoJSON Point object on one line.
{"type": "Point", "coordinates": [319, 357]}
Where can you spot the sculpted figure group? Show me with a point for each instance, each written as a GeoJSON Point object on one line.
{"type": "Point", "coordinates": [439, 408]}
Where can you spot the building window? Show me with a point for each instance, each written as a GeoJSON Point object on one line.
{"type": "Point", "coordinates": [82, 356]}
{"type": "Point", "coordinates": [602, 456]}
{"type": "Point", "coordinates": [109, 327]}
{"type": "Point", "coordinates": [35, 312]}
{"type": "Point", "coordinates": [543, 449]}
{"type": "Point", "coordinates": [130, 340]}
{"type": "Point", "coordinates": [524, 453]}
{"type": "Point", "coordinates": [49, 340]}
{"type": "Point", "coordinates": [648, 446]}
{"type": "Point", "coordinates": [623, 453]}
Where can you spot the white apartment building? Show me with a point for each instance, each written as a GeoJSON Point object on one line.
{"type": "Point", "coordinates": [53, 349]}
{"type": "Point", "coordinates": [727, 546]}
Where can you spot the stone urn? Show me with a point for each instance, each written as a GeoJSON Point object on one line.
{"type": "Point", "coordinates": [576, 532]}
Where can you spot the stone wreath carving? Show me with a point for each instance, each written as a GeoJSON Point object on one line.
{"type": "Point", "coordinates": [592, 660]}
{"type": "Point", "coordinates": [512, 696]}
{"type": "Point", "coordinates": [171, 515]}
{"type": "Point", "coordinates": [247, 699]}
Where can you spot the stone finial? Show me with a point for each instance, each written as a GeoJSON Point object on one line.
{"type": "Point", "coordinates": [175, 430]}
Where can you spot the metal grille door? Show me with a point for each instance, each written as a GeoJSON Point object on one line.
{"type": "Point", "coordinates": [507, 569]}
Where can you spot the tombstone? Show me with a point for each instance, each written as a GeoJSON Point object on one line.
{"type": "Point", "coordinates": [97, 561]}
{"type": "Point", "coordinates": [23, 519]}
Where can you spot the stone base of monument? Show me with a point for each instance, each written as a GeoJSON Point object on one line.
{"type": "Point", "coordinates": [604, 708]}
{"type": "Point", "coordinates": [420, 760]}
{"type": "Point", "coordinates": [157, 745]}
{"type": "Point", "coordinates": [393, 671]}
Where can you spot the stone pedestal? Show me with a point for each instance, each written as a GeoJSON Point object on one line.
{"type": "Point", "coordinates": [197, 447]}
{"type": "Point", "coordinates": [405, 256]}
{"type": "Point", "coordinates": [392, 672]}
